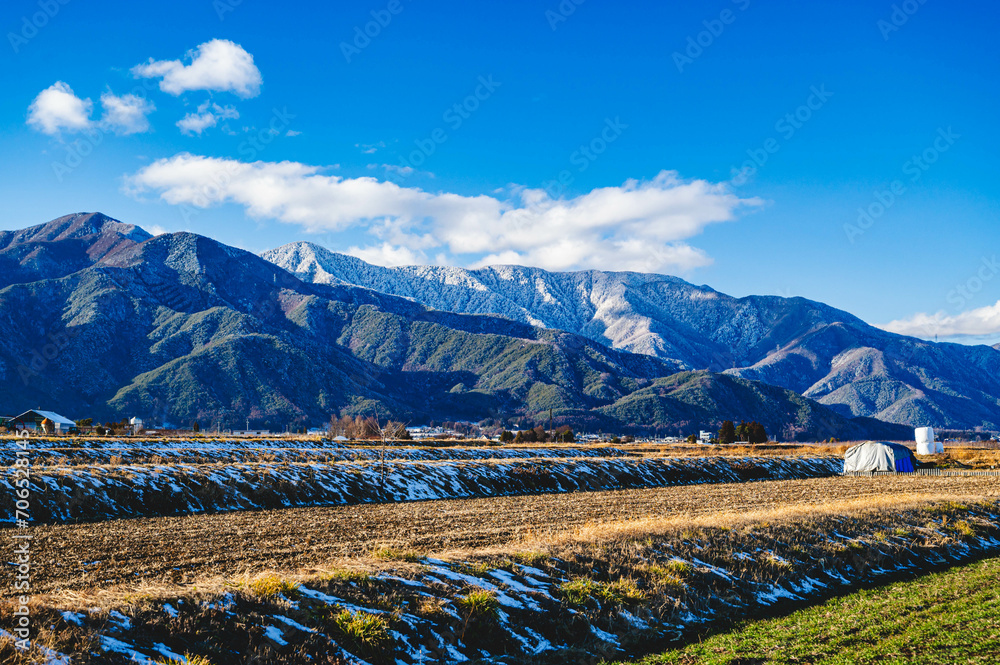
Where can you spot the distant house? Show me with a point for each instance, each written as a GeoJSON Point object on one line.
{"type": "Point", "coordinates": [704, 437]}
{"type": "Point", "coordinates": [32, 420]}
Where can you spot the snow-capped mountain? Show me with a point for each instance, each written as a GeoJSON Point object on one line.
{"type": "Point", "coordinates": [99, 319]}
{"type": "Point", "coordinates": [806, 346]}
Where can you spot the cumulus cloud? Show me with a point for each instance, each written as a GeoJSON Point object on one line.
{"type": "Point", "coordinates": [126, 114]}
{"type": "Point", "coordinates": [981, 322]}
{"type": "Point", "coordinates": [640, 225]}
{"type": "Point", "coordinates": [208, 115]}
{"type": "Point", "coordinates": [57, 109]}
{"type": "Point", "coordinates": [219, 65]}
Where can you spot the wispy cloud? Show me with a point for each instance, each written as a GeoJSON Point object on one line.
{"type": "Point", "coordinates": [126, 114]}
{"type": "Point", "coordinates": [370, 148]}
{"type": "Point", "coordinates": [641, 225]}
{"type": "Point", "coordinates": [981, 322]}
{"type": "Point", "coordinates": [207, 115]}
{"type": "Point", "coordinates": [218, 65]}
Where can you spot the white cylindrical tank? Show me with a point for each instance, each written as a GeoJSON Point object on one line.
{"type": "Point", "coordinates": [926, 445]}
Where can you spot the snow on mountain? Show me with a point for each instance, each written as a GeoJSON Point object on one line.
{"type": "Point", "coordinates": [806, 346]}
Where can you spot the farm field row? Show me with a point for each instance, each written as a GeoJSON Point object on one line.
{"type": "Point", "coordinates": [234, 452]}
{"type": "Point", "coordinates": [947, 617]}
{"type": "Point", "coordinates": [190, 549]}
{"type": "Point", "coordinates": [604, 590]}
{"type": "Point", "coordinates": [100, 492]}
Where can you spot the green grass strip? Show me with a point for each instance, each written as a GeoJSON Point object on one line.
{"type": "Point", "coordinates": [947, 617]}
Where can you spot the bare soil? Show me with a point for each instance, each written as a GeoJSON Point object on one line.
{"type": "Point", "coordinates": [130, 553]}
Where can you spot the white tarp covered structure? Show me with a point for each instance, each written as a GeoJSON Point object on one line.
{"type": "Point", "coordinates": [879, 456]}
{"type": "Point", "coordinates": [926, 445]}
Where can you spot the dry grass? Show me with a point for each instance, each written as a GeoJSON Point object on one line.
{"type": "Point", "coordinates": [972, 458]}
{"type": "Point", "coordinates": [142, 555]}
{"type": "Point", "coordinates": [640, 564]}
{"type": "Point", "coordinates": [737, 450]}
{"type": "Point", "coordinates": [660, 528]}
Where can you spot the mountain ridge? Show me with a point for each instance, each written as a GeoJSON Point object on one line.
{"type": "Point", "coordinates": [180, 327]}
{"type": "Point", "coordinates": [806, 346]}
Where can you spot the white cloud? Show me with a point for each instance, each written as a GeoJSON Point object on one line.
{"type": "Point", "coordinates": [207, 116]}
{"type": "Point", "coordinates": [401, 170]}
{"type": "Point", "coordinates": [126, 114]}
{"type": "Point", "coordinates": [57, 108]}
{"type": "Point", "coordinates": [981, 322]}
{"type": "Point", "coordinates": [388, 255]}
{"type": "Point", "coordinates": [641, 225]}
{"type": "Point", "coordinates": [292, 132]}
{"type": "Point", "coordinates": [370, 148]}
{"type": "Point", "coordinates": [218, 65]}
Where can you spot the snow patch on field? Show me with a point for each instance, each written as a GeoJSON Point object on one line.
{"type": "Point", "coordinates": [64, 494]}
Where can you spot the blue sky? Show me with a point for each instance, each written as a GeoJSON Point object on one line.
{"type": "Point", "coordinates": [733, 143]}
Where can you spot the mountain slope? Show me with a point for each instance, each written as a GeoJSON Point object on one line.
{"type": "Point", "coordinates": [63, 246]}
{"type": "Point", "coordinates": [698, 400]}
{"type": "Point", "coordinates": [180, 327]}
{"type": "Point", "coordinates": [805, 346]}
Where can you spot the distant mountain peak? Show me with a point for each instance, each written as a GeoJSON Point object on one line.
{"type": "Point", "coordinates": [809, 347]}
{"type": "Point", "coordinates": [63, 246]}
{"type": "Point", "coordinates": [76, 225]}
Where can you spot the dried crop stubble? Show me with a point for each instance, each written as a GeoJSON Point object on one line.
{"type": "Point", "coordinates": [132, 552]}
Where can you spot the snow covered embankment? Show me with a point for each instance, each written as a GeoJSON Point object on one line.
{"type": "Point", "coordinates": [580, 603]}
{"type": "Point", "coordinates": [100, 492]}
{"type": "Point", "coordinates": [135, 453]}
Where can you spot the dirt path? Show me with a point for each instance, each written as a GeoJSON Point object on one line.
{"type": "Point", "coordinates": [183, 549]}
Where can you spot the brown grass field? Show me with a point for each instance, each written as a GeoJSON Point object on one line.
{"type": "Point", "coordinates": [122, 555]}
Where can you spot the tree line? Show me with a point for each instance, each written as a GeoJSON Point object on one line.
{"type": "Point", "coordinates": [746, 432]}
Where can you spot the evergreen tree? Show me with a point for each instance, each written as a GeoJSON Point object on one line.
{"type": "Point", "coordinates": [756, 433]}
{"type": "Point", "coordinates": [727, 433]}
